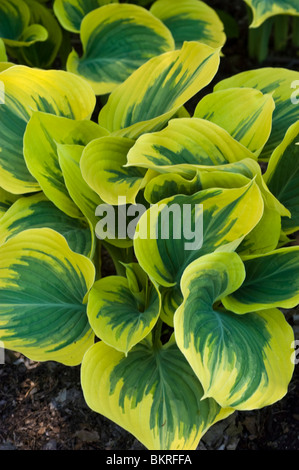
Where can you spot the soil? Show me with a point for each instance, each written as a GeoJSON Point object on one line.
{"type": "Point", "coordinates": [42, 406]}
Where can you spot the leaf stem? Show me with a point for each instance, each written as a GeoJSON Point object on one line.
{"type": "Point", "coordinates": [156, 334]}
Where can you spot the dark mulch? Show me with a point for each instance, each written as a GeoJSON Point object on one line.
{"type": "Point", "coordinates": [42, 408]}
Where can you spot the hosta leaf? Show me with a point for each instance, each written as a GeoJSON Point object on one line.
{"type": "Point", "coordinates": [275, 81]}
{"type": "Point", "coordinates": [272, 280]}
{"type": "Point", "coordinates": [4, 66]}
{"type": "Point", "coordinates": [227, 216]}
{"type": "Point", "coordinates": [108, 59]}
{"type": "Point", "coordinates": [14, 18]}
{"type": "Point", "coordinates": [32, 34]}
{"type": "Point", "coordinates": [245, 113]}
{"type": "Point", "coordinates": [251, 170]}
{"type": "Point", "coordinates": [43, 286]}
{"type": "Point", "coordinates": [70, 13]}
{"type": "Point", "coordinates": [264, 237]}
{"type": "Point", "coordinates": [152, 393]}
{"type": "Point", "coordinates": [220, 218]}
{"type": "Point", "coordinates": [42, 54]}
{"type": "Point", "coordinates": [6, 200]}
{"type": "Point", "coordinates": [37, 211]}
{"type": "Point", "coordinates": [158, 89]}
{"type": "Point", "coordinates": [262, 10]}
{"type": "Point", "coordinates": [15, 27]}
{"type": "Point", "coordinates": [282, 176]}
{"type": "Point", "coordinates": [102, 167]}
{"type": "Point", "coordinates": [83, 196]}
{"type": "Point", "coordinates": [117, 316]}
{"type": "Point", "coordinates": [266, 234]}
{"type": "Point", "coordinates": [191, 20]}
{"type": "Point", "coordinates": [42, 134]}
{"type": "Point", "coordinates": [230, 175]}
{"type": "Point", "coordinates": [185, 145]}
{"type": "Point", "coordinates": [242, 361]}
{"type": "Point", "coordinates": [169, 184]}
{"type": "Point", "coordinates": [28, 90]}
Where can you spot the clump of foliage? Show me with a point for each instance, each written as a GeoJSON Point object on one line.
{"type": "Point", "coordinates": [177, 338]}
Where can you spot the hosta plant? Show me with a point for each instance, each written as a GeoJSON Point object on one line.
{"type": "Point", "coordinates": [190, 325]}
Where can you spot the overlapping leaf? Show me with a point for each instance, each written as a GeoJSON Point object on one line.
{"type": "Point", "coordinates": [42, 293]}
{"type": "Point", "coordinates": [190, 20]}
{"type": "Point", "coordinates": [6, 200]}
{"type": "Point", "coordinates": [282, 176]}
{"type": "Point", "coordinates": [37, 211]}
{"type": "Point", "coordinates": [42, 54]}
{"type": "Point", "coordinates": [185, 145]}
{"type": "Point", "coordinates": [84, 197]}
{"type": "Point", "coordinates": [176, 231]}
{"type": "Point", "coordinates": [278, 82]}
{"type": "Point", "coordinates": [123, 310]}
{"type": "Point", "coordinates": [103, 168]}
{"type": "Point", "coordinates": [265, 236]}
{"type": "Point", "coordinates": [228, 215]}
{"type": "Point", "coordinates": [158, 89]}
{"type": "Point", "coordinates": [117, 39]}
{"type": "Point", "coordinates": [152, 393]}
{"type": "Point", "coordinates": [242, 361]}
{"type": "Point", "coordinates": [262, 10]}
{"type": "Point", "coordinates": [70, 13]}
{"type": "Point", "coordinates": [28, 90]}
{"type": "Point", "coordinates": [15, 27]}
{"type": "Point", "coordinates": [271, 281]}
{"type": "Point", "coordinates": [43, 133]}
{"type": "Point", "coordinates": [246, 114]}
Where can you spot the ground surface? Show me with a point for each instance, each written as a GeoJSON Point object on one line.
{"type": "Point", "coordinates": [42, 406]}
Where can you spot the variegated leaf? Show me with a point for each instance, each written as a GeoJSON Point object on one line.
{"type": "Point", "coordinates": [15, 27]}
{"type": "Point", "coordinates": [43, 133]}
{"type": "Point", "coordinates": [70, 13]}
{"type": "Point", "coordinates": [82, 194]}
{"type": "Point", "coordinates": [37, 211]}
{"type": "Point", "coordinates": [186, 145]}
{"type": "Point", "coordinates": [42, 54]}
{"type": "Point", "coordinates": [242, 361]}
{"type": "Point", "coordinates": [272, 280]}
{"type": "Point", "coordinates": [245, 113]}
{"type": "Point", "coordinates": [278, 82]}
{"type": "Point", "coordinates": [190, 20]}
{"type": "Point", "coordinates": [262, 10]}
{"type": "Point", "coordinates": [6, 200]}
{"type": "Point", "coordinates": [158, 89]}
{"type": "Point", "coordinates": [282, 176]}
{"type": "Point", "coordinates": [43, 286]}
{"type": "Point", "coordinates": [165, 411]}
{"type": "Point", "coordinates": [108, 59]}
{"type": "Point", "coordinates": [178, 230]}
{"type": "Point", "coordinates": [28, 90]}
{"type": "Point", "coordinates": [103, 168]}
{"type": "Point", "coordinates": [121, 312]}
